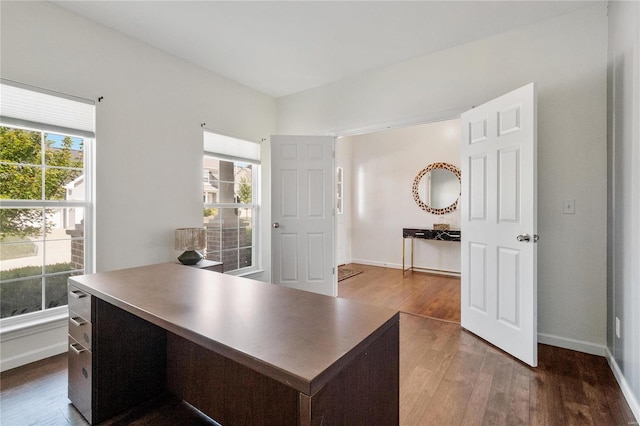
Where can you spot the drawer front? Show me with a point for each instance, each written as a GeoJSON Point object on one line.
{"type": "Point", "coordinates": [80, 329]}
{"type": "Point", "coordinates": [80, 302]}
{"type": "Point", "coordinates": [79, 391]}
{"type": "Point", "coordinates": [417, 233]}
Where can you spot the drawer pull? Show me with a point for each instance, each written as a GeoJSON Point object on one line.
{"type": "Point", "coordinates": [78, 294]}
{"type": "Point", "coordinates": [77, 321]}
{"type": "Point", "coordinates": [74, 347]}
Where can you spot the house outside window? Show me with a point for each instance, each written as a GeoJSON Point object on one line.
{"type": "Point", "coordinates": [46, 141]}
{"type": "Point", "coordinates": [230, 194]}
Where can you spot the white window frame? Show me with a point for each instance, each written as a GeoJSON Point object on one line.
{"type": "Point", "coordinates": [235, 155]}
{"type": "Point", "coordinates": [25, 324]}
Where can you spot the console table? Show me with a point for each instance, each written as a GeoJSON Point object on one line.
{"type": "Point", "coordinates": [239, 350]}
{"type": "Point", "coordinates": [425, 234]}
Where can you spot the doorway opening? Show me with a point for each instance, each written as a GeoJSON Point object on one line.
{"type": "Point", "coordinates": [377, 171]}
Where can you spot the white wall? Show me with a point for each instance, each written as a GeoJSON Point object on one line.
{"type": "Point", "coordinates": [149, 139]}
{"type": "Point", "coordinates": [382, 169]}
{"type": "Point", "coordinates": [566, 56]}
{"type": "Point", "coordinates": [624, 197]}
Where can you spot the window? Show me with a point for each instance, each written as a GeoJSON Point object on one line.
{"type": "Point", "coordinates": [45, 200]}
{"type": "Point", "coordinates": [230, 194]}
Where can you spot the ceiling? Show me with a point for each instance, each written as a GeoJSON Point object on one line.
{"type": "Point", "coordinates": [285, 47]}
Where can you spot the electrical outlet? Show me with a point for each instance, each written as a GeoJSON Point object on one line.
{"type": "Point", "coordinates": [617, 327]}
{"type": "Point", "coordinates": [569, 206]}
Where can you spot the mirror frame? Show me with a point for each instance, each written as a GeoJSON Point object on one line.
{"type": "Point", "coordinates": [416, 183]}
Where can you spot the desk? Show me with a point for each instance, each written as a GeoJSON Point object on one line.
{"type": "Point", "coordinates": [241, 351]}
{"type": "Point", "coordinates": [426, 234]}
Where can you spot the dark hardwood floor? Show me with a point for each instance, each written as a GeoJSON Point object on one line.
{"type": "Point", "coordinates": [417, 293]}
{"type": "Point", "coordinates": [447, 377]}
{"type": "Point", "coordinates": [36, 394]}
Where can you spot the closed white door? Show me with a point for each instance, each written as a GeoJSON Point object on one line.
{"type": "Point", "coordinates": [302, 213]}
{"type": "Point", "coordinates": [499, 226]}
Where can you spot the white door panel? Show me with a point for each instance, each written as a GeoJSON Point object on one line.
{"type": "Point", "coordinates": [499, 283]}
{"type": "Point", "coordinates": [303, 213]}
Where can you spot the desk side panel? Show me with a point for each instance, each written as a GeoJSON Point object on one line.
{"type": "Point", "coordinates": [129, 361]}
{"type": "Point", "coordinates": [366, 391]}
{"type": "Point", "coordinates": [225, 390]}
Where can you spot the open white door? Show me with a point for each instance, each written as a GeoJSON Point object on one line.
{"type": "Point", "coordinates": [499, 226]}
{"type": "Point", "coordinates": [302, 212]}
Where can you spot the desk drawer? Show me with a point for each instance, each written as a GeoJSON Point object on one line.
{"type": "Point", "coordinates": [80, 302]}
{"type": "Point", "coordinates": [80, 329]}
{"type": "Point", "coordinates": [80, 377]}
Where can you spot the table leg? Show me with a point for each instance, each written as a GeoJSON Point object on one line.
{"type": "Point", "coordinates": [412, 254]}
{"type": "Point", "coordinates": [403, 244]}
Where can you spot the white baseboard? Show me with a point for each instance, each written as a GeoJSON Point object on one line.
{"type": "Point", "coordinates": [376, 263]}
{"type": "Point", "coordinates": [399, 266]}
{"type": "Point", "coordinates": [31, 341]}
{"type": "Point", "coordinates": [574, 345]}
{"type": "Point", "coordinates": [632, 399]}
{"type": "Point", "coordinates": [32, 356]}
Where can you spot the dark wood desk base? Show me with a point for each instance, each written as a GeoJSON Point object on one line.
{"type": "Point", "coordinates": [243, 352]}
{"type": "Point", "coordinates": [135, 360]}
{"type": "Point", "coordinates": [233, 394]}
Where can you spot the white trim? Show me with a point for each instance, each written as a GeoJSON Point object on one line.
{"type": "Point", "coordinates": [399, 266]}
{"type": "Point", "coordinates": [38, 326]}
{"type": "Point", "coordinates": [25, 325]}
{"type": "Point", "coordinates": [33, 356]}
{"type": "Point", "coordinates": [448, 114]}
{"type": "Point", "coordinates": [252, 274]}
{"type": "Point", "coordinates": [572, 344]}
{"type": "Point", "coordinates": [632, 400]}
{"type": "Point", "coordinates": [256, 224]}
{"type": "Point", "coordinates": [41, 321]}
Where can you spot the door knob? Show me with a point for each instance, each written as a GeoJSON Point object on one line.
{"type": "Point", "coordinates": [276, 225]}
{"type": "Point", "coordinates": [523, 237]}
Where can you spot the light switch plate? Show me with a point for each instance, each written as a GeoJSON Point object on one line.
{"type": "Point", "coordinates": [569, 206]}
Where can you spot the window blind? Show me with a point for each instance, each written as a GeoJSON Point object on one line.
{"type": "Point", "coordinates": [26, 106]}
{"type": "Point", "coordinates": [231, 148]}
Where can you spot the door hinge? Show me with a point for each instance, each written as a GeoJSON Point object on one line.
{"type": "Point", "coordinates": [333, 270]}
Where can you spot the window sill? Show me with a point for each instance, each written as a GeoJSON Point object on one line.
{"type": "Point", "coordinates": [247, 274]}
{"type": "Point", "coordinates": [15, 328]}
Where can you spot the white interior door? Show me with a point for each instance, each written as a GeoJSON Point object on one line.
{"type": "Point", "coordinates": [499, 283]}
{"type": "Point", "coordinates": [302, 213]}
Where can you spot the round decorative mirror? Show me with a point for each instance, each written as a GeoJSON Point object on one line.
{"type": "Point", "coordinates": [436, 189]}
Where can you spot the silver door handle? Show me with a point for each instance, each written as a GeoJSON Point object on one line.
{"type": "Point", "coordinates": [523, 237]}
{"type": "Point", "coordinates": [536, 237]}
{"type": "Point", "coordinates": [276, 225]}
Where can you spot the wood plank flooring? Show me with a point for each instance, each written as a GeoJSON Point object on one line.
{"type": "Point", "coordinates": [418, 293]}
{"type": "Point", "coordinates": [36, 394]}
{"type": "Point", "coordinates": [451, 377]}
{"type": "Point", "coordinates": [447, 377]}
